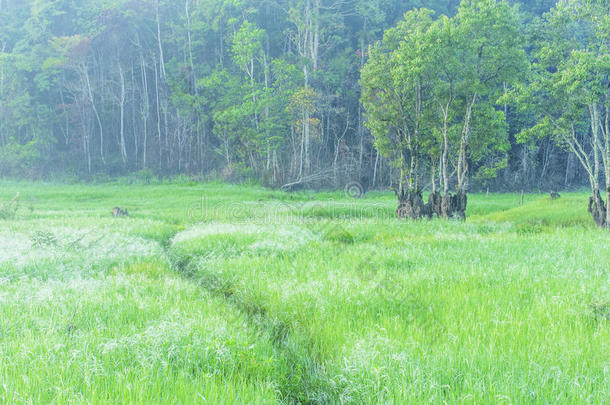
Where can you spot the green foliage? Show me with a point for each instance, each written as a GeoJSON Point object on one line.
{"type": "Point", "coordinates": [18, 160]}
{"type": "Point", "coordinates": [421, 82]}
{"type": "Point", "coordinates": [567, 95]}
{"type": "Point", "coordinates": [117, 86]}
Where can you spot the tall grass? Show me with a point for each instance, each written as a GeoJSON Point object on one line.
{"type": "Point", "coordinates": [215, 293]}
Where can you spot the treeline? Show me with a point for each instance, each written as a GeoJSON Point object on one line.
{"type": "Point", "coordinates": [437, 93]}
{"type": "Point", "coordinates": [231, 89]}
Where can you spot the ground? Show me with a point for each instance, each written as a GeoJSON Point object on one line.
{"type": "Point", "coordinates": [215, 293]}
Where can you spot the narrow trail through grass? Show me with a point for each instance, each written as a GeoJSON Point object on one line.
{"type": "Point", "coordinates": [300, 375]}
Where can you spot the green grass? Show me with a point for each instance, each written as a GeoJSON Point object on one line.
{"type": "Point", "coordinates": [213, 293]}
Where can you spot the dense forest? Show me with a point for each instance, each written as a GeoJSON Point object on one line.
{"type": "Point", "coordinates": [271, 91]}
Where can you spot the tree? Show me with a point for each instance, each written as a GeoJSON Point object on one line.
{"type": "Point", "coordinates": [432, 88]}
{"type": "Point", "coordinates": [490, 40]}
{"type": "Point", "coordinates": [571, 91]}
{"type": "Point", "coordinates": [395, 101]}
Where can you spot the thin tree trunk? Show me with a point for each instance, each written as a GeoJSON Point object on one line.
{"type": "Point", "coordinates": [159, 43]}
{"type": "Point", "coordinates": [145, 112]}
{"type": "Point", "coordinates": [463, 158]}
{"type": "Point", "coordinates": [85, 74]}
{"type": "Point", "coordinates": [122, 116]}
{"type": "Point", "coordinates": [375, 168]}
{"type": "Point", "coordinates": [158, 108]}
{"type": "Point", "coordinates": [445, 152]}
{"type": "Point", "coordinates": [605, 129]}
{"type": "Point", "coordinates": [306, 129]}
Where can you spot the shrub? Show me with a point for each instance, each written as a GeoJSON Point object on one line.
{"type": "Point", "coordinates": [143, 176]}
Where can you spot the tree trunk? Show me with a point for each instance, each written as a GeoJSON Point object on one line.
{"type": "Point", "coordinates": [606, 155]}
{"type": "Point", "coordinates": [411, 205]}
{"type": "Point", "coordinates": [462, 170]}
{"type": "Point", "coordinates": [375, 168]}
{"type": "Point", "coordinates": [159, 43]}
{"type": "Point", "coordinates": [122, 116]}
{"type": "Point", "coordinates": [158, 109]}
{"type": "Point", "coordinates": [145, 110]}
{"type": "Point", "coordinates": [598, 209]}
{"type": "Point", "coordinates": [85, 74]}
{"type": "Point", "coordinates": [608, 205]}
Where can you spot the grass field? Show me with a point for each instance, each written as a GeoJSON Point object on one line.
{"type": "Point", "coordinates": [215, 293]}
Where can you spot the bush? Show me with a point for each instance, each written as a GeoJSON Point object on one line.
{"type": "Point", "coordinates": [143, 176]}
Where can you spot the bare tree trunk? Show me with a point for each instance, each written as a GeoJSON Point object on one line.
{"type": "Point", "coordinates": [545, 161]}
{"type": "Point", "coordinates": [85, 74]}
{"type": "Point", "coordinates": [313, 18]}
{"type": "Point", "coordinates": [188, 30]}
{"type": "Point", "coordinates": [86, 136]}
{"type": "Point", "coordinates": [145, 112]}
{"type": "Point", "coordinates": [433, 174]}
{"type": "Point", "coordinates": [306, 129]}
{"type": "Point", "coordinates": [375, 168]}
{"type": "Point", "coordinates": [134, 126]}
{"type": "Point", "coordinates": [122, 116]}
{"type": "Point", "coordinates": [597, 208]}
{"type": "Point", "coordinates": [158, 108]}
{"type": "Point", "coordinates": [159, 43]}
{"type": "Point", "coordinates": [226, 146]}
{"type": "Point", "coordinates": [463, 158]}
{"type": "Point", "coordinates": [166, 129]}
{"type": "Point", "coordinates": [301, 165]}
{"type": "Point", "coordinates": [445, 153]}
{"type": "Point", "coordinates": [568, 174]}
{"type": "Point", "coordinates": [605, 129]}
{"type": "Point", "coordinates": [607, 172]}
{"type": "Point", "coordinates": [3, 137]}
{"type": "Point", "coordinates": [266, 114]}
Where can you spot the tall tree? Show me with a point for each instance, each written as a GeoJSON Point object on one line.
{"type": "Point", "coordinates": [432, 87]}
{"type": "Point", "coordinates": [570, 92]}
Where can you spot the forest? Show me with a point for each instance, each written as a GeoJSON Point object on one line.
{"type": "Point", "coordinates": [296, 93]}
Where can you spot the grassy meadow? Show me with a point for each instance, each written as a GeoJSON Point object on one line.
{"type": "Point", "coordinates": [220, 294]}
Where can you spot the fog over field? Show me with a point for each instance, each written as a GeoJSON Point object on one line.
{"type": "Point", "coordinates": [304, 201]}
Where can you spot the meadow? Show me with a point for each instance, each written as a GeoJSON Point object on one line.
{"type": "Point", "coordinates": [215, 293]}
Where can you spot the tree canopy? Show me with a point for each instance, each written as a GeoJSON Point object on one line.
{"type": "Point", "coordinates": [264, 90]}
